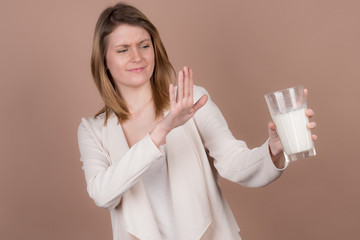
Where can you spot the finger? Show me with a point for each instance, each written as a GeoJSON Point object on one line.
{"type": "Point", "coordinates": [306, 92]}
{"type": "Point", "coordinates": [309, 113]}
{"type": "Point", "coordinates": [311, 125]}
{"type": "Point", "coordinates": [200, 103]}
{"type": "Point", "coordinates": [314, 137]}
{"type": "Point", "coordinates": [180, 89]}
{"type": "Point", "coordinates": [191, 83]}
{"type": "Point", "coordinates": [172, 96]}
{"type": "Point", "coordinates": [186, 82]}
{"type": "Point", "coordinates": [271, 126]}
{"type": "Point", "coordinates": [272, 131]}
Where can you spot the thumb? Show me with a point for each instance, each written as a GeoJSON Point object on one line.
{"type": "Point", "coordinates": [200, 103]}
{"type": "Point", "coordinates": [272, 130]}
{"type": "Point", "coordinates": [272, 126]}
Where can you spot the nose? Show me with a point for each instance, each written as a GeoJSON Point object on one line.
{"type": "Point", "coordinates": [135, 55]}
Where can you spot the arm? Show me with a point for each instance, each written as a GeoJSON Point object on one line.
{"type": "Point", "coordinates": [107, 182]}
{"type": "Point", "coordinates": [232, 158]}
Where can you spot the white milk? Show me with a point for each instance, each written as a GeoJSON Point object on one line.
{"type": "Point", "coordinates": [293, 133]}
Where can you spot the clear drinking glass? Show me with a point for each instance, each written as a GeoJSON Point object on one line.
{"type": "Point", "coordinates": [287, 108]}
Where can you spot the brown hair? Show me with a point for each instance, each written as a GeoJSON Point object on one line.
{"type": "Point", "coordinates": [161, 78]}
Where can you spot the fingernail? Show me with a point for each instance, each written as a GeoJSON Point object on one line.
{"type": "Point", "coordinates": [310, 112]}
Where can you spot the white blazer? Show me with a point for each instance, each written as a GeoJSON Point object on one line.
{"type": "Point", "coordinates": [196, 153]}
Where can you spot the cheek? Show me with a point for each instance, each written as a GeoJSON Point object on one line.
{"type": "Point", "coordinates": [114, 64]}
{"type": "Point", "coordinates": [108, 62]}
{"type": "Point", "coordinates": [151, 59]}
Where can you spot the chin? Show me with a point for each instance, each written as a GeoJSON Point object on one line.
{"type": "Point", "coordinates": [138, 82]}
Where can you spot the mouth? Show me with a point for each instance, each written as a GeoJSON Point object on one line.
{"type": "Point", "coordinates": [136, 70]}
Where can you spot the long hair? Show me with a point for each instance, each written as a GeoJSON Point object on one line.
{"type": "Point", "coordinates": [161, 78]}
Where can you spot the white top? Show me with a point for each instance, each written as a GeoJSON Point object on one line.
{"type": "Point", "coordinates": [112, 173]}
{"type": "Point", "coordinates": [156, 183]}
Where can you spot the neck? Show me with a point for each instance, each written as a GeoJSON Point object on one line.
{"type": "Point", "coordinates": [137, 98]}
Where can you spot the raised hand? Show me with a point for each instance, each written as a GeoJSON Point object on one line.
{"type": "Point", "coordinates": [182, 106]}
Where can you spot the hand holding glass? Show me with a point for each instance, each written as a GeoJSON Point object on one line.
{"type": "Point", "coordinates": [287, 108]}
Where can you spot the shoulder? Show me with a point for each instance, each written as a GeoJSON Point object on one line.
{"type": "Point", "coordinates": [199, 91]}
{"type": "Point", "coordinates": [92, 125]}
{"type": "Point", "coordinates": [93, 121]}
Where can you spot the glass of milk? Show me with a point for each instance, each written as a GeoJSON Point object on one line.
{"type": "Point", "coordinates": [287, 108]}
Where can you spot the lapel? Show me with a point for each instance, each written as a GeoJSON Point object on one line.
{"type": "Point", "coordinates": [138, 216]}
{"type": "Point", "coordinates": [187, 182]}
{"type": "Point", "coordinates": [115, 139]}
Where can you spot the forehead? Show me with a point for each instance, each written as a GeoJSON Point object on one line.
{"type": "Point", "coordinates": [127, 34]}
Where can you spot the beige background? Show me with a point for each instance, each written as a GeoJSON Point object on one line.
{"type": "Point", "coordinates": [239, 50]}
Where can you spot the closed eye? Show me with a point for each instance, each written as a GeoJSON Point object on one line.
{"type": "Point", "coordinates": [121, 50]}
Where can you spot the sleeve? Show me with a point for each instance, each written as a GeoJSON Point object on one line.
{"type": "Point", "coordinates": [106, 183]}
{"type": "Point", "coordinates": [232, 158]}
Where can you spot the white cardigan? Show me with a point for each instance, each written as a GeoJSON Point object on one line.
{"type": "Point", "coordinates": [196, 152]}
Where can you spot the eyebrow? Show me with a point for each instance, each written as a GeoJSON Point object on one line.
{"type": "Point", "coordinates": [127, 45]}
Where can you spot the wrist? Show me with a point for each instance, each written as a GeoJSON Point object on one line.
{"type": "Point", "coordinates": [159, 133]}
{"type": "Point", "coordinates": [278, 159]}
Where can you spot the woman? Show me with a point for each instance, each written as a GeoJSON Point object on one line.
{"type": "Point", "coordinates": [152, 155]}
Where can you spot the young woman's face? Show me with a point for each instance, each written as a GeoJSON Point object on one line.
{"type": "Point", "coordinates": [130, 56]}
